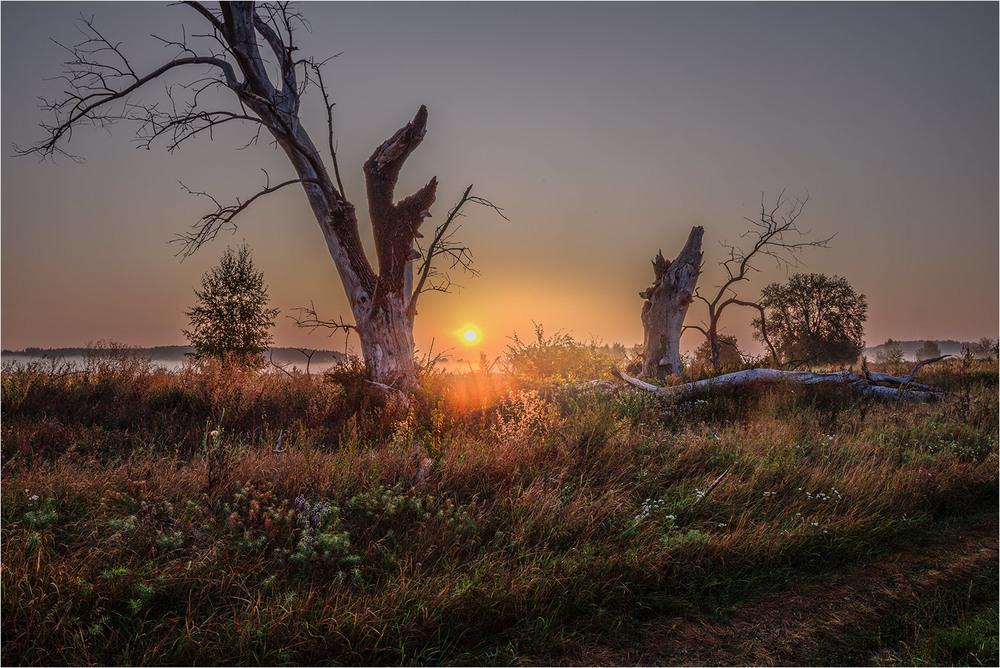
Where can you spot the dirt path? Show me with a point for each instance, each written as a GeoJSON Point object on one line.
{"type": "Point", "coordinates": [794, 627]}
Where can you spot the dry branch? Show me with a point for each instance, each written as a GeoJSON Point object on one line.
{"type": "Point", "coordinates": [863, 385]}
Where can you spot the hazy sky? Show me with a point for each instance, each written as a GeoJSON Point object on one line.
{"type": "Point", "coordinates": [604, 130]}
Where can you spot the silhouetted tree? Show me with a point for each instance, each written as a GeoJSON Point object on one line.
{"type": "Point", "coordinates": [729, 351]}
{"type": "Point", "coordinates": [985, 348]}
{"type": "Point", "coordinates": [231, 318]}
{"type": "Point", "coordinates": [242, 67]}
{"type": "Point", "coordinates": [890, 353]}
{"type": "Point", "coordinates": [928, 350]}
{"type": "Point", "coordinates": [814, 317]}
{"type": "Point", "coordinates": [774, 234]}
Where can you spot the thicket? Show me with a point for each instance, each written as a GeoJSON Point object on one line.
{"type": "Point", "coordinates": [157, 518]}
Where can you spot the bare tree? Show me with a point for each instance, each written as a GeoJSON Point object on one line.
{"type": "Point", "coordinates": [666, 306]}
{"type": "Point", "coordinates": [248, 54]}
{"type": "Point", "coordinates": [774, 234]}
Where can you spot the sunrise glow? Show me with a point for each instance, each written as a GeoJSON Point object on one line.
{"type": "Point", "coordinates": [470, 335]}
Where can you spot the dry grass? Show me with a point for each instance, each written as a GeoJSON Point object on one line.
{"type": "Point", "coordinates": [486, 524]}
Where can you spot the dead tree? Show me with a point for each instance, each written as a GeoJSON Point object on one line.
{"type": "Point", "coordinates": [666, 305]}
{"type": "Point", "coordinates": [430, 275]}
{"type": "Point", "coordinates": [865, 385]}
{"type": "Point", "coordinates": [243, 45]}
{"type": "Point", "coordinates": [773, 234]}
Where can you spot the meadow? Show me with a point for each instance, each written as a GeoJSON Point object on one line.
{"type": "Point", "coordinates": [516, 515]}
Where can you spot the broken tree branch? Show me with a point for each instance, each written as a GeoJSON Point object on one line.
{"type": "Point", "coordinates": [863, 385]}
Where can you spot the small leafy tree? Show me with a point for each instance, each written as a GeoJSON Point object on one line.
{"type": "Point", "coordinates": [815, 318]}
{"type": "Point", "coordinates": [231, 319]}
{"type": "Point", "coordinates": [985, 348]}
{"type": "Point", "coordinates": [729, 351]}
{"type": "Point", "coordinates": [890, 353]}
{"type": "Point", "coordinates": [927, 351]}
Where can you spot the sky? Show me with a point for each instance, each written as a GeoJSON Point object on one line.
{"type": "Point", "coordinates": [605, 131]}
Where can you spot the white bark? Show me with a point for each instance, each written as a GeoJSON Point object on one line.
{"type": "Point", "coordinates": [101, 93]}
{"type": "Point", "coordinates": [857, 383]}
{"type": "Point", "coordinates": [666, 305]}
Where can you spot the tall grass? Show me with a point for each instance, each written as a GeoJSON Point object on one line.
{"type": "Point", "coordinates": [495, 519]}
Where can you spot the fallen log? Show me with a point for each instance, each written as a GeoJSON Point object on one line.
{"type": "Point", "coordinates": [863, 385]}
{"type": "Point", "coordinates": [901, 381]}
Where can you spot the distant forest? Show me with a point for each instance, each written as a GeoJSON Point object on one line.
{"type": "Point", "coordinates": [947, 347]}
{"type": "Point", "coordinates": [181, 353]}
{"type": "Point", "coordinates": [293, 356]}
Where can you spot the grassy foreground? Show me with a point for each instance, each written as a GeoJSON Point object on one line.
{"type": "Point", "coordinates": [147, 517]}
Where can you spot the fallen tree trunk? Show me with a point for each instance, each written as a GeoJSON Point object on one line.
{"type": "Point", "coordinates": [863, 385]}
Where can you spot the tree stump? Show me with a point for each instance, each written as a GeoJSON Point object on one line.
{"type": "Point", "coordinates": [666, 306]}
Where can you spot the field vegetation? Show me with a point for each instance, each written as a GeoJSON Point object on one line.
{"type": "Point", "coordinates": [216, 515]}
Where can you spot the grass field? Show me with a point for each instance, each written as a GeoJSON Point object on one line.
{"type": "Point", "coordinates": [151, 518]}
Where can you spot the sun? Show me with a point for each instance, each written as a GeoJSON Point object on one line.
{"type": "Point", "coordinates": [469, 334]}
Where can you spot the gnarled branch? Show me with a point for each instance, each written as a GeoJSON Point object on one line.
{"type": "Point", "coordinates": [443, 245]}
{"type": "Point", "coordinates": [863, 385]}
{"type": "Point", "coordinates": [774, 234]}
{"type": "Point", "coordinates": [212, 223]}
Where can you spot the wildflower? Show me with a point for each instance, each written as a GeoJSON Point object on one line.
{"type": "Point", "coordinates": [214, 433]}
{"type": "Point", "coordinates": [33, 497]}
{"type": "Point", "coordinates": [722, 524]}
{"type": "Point", "coordinates": [815, 524]}
{"type": "Point", "coordinates": [670, 517]}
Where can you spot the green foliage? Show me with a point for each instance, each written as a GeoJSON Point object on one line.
{"type": "Point", "coordinates": [231, 318]}
{"type": "Point", "coordinates": [890, 353]}
{"type": "Point", "coordinates": [42, 515]}
{"type": "Point", "coordinates": [558, 358]}
{"type": "Point", "coordinates": [814, 317]}
{"type": "Point", "coordinates": [729, 351]}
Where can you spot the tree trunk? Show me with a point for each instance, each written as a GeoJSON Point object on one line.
{"type": "Point", "coordinates": [863, 384]}
{"type": "Point", "coordinates": [387, 345]}
{"type": "Point", "coordinates": [268, 87]}
{"type": "Point", "coordinates": [666, 305]}
{"type": "Point", "coordinates": [379, 302]}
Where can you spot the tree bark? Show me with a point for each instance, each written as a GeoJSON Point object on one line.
{"type": "Point", "coordinates": [268, 88]}
{"type": "Point", "coordinates": [666, 306]}
{"type": "Point", "coordinates": [863, 385]}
